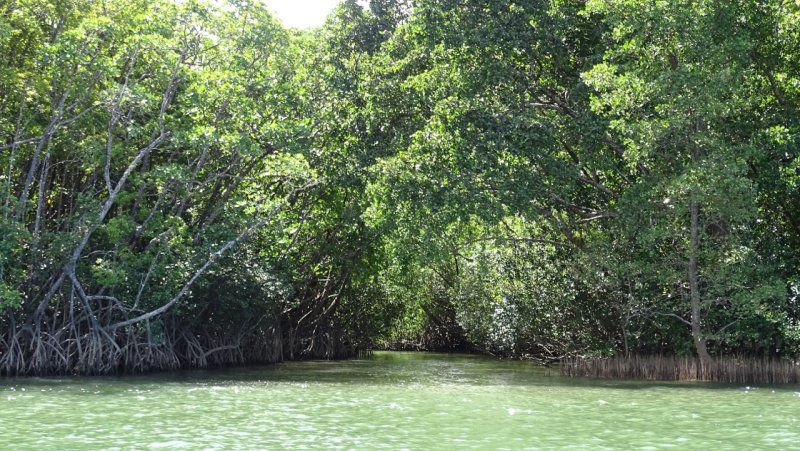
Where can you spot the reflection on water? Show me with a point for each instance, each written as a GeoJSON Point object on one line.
{"type": "Point", "coordinates": [394, 401]}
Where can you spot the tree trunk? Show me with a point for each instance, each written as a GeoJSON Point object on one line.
{"type": "Point", "coordinates": [694, 286]}
{"type": "Point", "coordinates": [694, 271]}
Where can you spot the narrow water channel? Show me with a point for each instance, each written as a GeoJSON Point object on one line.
{"type": "Point", "coordinates": [391, 401]}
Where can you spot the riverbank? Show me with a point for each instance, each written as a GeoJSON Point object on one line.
{"type": "Point", "coordinates": [62, 351]}
{"type": "Point", "coordinates": [745, 370]}
{"type": "Point", "coordinates": [723, 369]}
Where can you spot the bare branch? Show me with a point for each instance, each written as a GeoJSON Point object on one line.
{"type": "Point", "coordinates": [673, 315]}
{"type": "Point", "coordinates": [213, 259]}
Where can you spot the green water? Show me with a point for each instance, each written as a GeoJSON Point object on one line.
{"type": "Point", "coordinates": [392, 401]}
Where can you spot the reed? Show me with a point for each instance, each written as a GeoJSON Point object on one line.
{"type": "Point", "coordinates": [739, 370]}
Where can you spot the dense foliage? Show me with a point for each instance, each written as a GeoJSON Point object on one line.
{"type": "Point", "coordinates": [189, 184]}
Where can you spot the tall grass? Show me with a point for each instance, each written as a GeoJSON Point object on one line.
{"type": "Point", "coordinates": [745, 370]}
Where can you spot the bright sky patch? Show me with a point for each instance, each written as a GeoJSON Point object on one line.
{"type": "Point", "coordinates": [301, 13]}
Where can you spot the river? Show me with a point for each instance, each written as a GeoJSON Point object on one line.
{"type": "Point", "coordinates": [391, 401]}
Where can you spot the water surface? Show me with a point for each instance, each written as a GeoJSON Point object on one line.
{"type": "Point", "coordinates": [391, 401]}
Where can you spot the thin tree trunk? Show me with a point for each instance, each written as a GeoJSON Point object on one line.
{"type": "Point", "coordinates": [694, 285]}
{"type": "Point", "coordinates": [40, 201]}
{"type": "Point", "coordinates": [694, 270]}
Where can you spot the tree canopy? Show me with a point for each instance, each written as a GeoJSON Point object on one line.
{"type": "Point", "coordinates": [188, 184]}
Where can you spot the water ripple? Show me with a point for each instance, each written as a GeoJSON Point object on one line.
{"type": "Point", "coordinates": [394, 401]}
